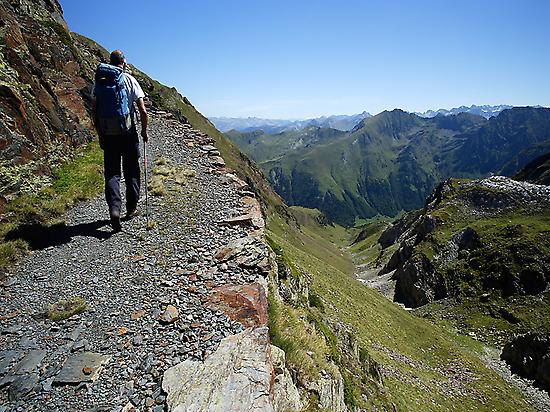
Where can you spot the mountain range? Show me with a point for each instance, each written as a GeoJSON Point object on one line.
{"type": "Point", "coordinates": [339, 122]}
{"type": "Point", "coordinates": [390, 162]}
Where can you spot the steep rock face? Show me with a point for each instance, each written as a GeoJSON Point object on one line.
{"type": "Point", "coordinates": [330, 390]}
{"type": "Point", "coordinates": [44, 93]}
{"type": "Point", "coordinates": [418, 283]}
{"type": "Point", "coordinates": [286, 394]}
{"type": "Point", "coordinates": [537, 171]}
{"type": "Point", "coordinates": [410, 231]}
{"type": "Point", "coordinates": [529, 356]}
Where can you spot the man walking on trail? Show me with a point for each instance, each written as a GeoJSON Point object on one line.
{"type": "Point", "coordinates": [113, 97]}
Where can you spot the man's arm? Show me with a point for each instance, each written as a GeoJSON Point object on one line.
{"type": "Point", "coordinates": [143, 117]}
{"type": "Point", "coordinates": [96, 122]}
{"type": "Point", "coordinates": [94, 114]}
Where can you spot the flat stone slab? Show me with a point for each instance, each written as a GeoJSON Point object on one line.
{"type": "Point", "coordinates": [238, 220]}
{"type": "Point", "coordinates": [208, 148]}
{"type": "Point", "coordinates": [236, 181]}
{"type": "Point", "coordinates": [7, 357]}
{"type": "Point", "coordinates": [84, 367]}
{"type": "Point", "coordinates": [30, 362]}
{"type": "Point", "coordinates": [247, 252]}
{"type": "Point", "coordinates": [22, 385]}
{"type": "Point", "coordinates": [217, 161]}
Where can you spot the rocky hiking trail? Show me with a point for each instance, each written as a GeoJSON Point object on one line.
{"type": "Point", "coordinates": [191, 288]}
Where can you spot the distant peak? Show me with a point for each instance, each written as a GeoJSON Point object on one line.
{"type": "Point", "coordinates": [486, 111]}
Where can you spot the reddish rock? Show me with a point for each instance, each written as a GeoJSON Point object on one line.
{"type": "Point", "coordinates": [254, 210]}
{"type": "Point", "coordinates": [246, 304]}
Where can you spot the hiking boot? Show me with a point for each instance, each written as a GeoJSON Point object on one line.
{"type": "Point", "coordinates": [115, 220]}
{"type": "Point", "coordinates": [131, 213]}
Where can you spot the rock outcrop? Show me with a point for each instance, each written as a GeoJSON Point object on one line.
{"type": "Point", "coordinates": [417, 283]}
{"type": "Point", "coordinates": [444, 247]}
{"type": "Point", "coordinates": [529, 356]}
{"type": "Point", "coordinates": [246, 304]}
{"type": "Point", "coordinates": [536, 171]}
{"type": "Point", "coordinates": [238, 376]}
{"type": "Point", "coordinates": [330, 390]}
{"type": "Point", "coordinates": [44, 93]}
{"type": "Point", "coordinates": [286, 394]}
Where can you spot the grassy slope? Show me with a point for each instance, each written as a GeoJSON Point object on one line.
{"type": "Point", "coordinates": [418, 357]}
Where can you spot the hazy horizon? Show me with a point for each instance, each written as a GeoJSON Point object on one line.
{"type": "Point", "coordinates": [371, 113]}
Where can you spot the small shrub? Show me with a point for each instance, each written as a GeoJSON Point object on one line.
{"type": "Point", "coordinates": [64, 309]}
{"type": "Point", "coordinates": [183, 175]}
{"type": "Point", "coordinates": [315, 301]}
{"type": "Point", "coordinates": [156, 186]}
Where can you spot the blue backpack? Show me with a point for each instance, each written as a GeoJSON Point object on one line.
{"type": "Point", "coordinates": [113, 108]}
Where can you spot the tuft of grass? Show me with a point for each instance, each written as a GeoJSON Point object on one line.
{"type": "Point", "coordinates": [166, 171]}
{"type": "Point", "coordinates": [64, 309]}
{"type": "Point", "coordinates": [161, 161]}
{"type": "Point", "coordinates": [156, 186]}
{"type": "Point", "coordinates": [306, 350]}
{"type": "Point", "coordinates": [184, 175]}
{"type": "Point", "coordinates": [12, 250]}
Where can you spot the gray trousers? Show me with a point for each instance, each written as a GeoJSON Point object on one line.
{"type": "Point", "coordinates": [125, 149]}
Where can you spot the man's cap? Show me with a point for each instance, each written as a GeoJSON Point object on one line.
{"type": "Point", "coordinates": [116, 58]}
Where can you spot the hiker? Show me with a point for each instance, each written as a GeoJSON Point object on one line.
{"type": "Point", "coordinates": [113, 96]}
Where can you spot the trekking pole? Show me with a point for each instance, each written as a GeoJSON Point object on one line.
{"type": "Point", "coordinates": [146, 190]}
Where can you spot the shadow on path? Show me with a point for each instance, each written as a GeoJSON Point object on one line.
{"type": "Point", "coordinates": [40, 236]}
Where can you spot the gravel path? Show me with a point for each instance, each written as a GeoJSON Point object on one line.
{"type": "Point", "coordinates": [127, 280]}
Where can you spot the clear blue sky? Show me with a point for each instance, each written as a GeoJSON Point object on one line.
{"type": "Point", "coordinates": [297, 59]}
